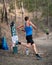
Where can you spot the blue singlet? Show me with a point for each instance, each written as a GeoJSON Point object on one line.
{"type": "Point", "coordinates": [28, 30]}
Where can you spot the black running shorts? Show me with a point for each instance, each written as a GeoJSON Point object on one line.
{"type": "Point", "coordinates": [29, 39]}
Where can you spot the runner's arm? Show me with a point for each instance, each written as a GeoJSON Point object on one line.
{"type": "Point", "coordinates": [33, 25]}
{"type": "Point", "coordinates": [21, 26]}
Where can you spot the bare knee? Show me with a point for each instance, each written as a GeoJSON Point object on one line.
{"type": "Point", "coordinates": [29, 45]}
{"type": "Point", "coordinates": [33, 45]}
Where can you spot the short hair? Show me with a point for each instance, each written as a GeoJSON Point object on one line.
{"type": "Point", "coordinates": [26, 18]}
{"type": "Point", "coordinates": [12, 23]}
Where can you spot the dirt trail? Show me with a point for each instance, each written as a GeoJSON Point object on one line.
{"type": "Point", "coordinates": [45, 50]}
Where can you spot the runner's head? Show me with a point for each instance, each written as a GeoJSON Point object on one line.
{"type": "Point", "coordinates": [26, 18]}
